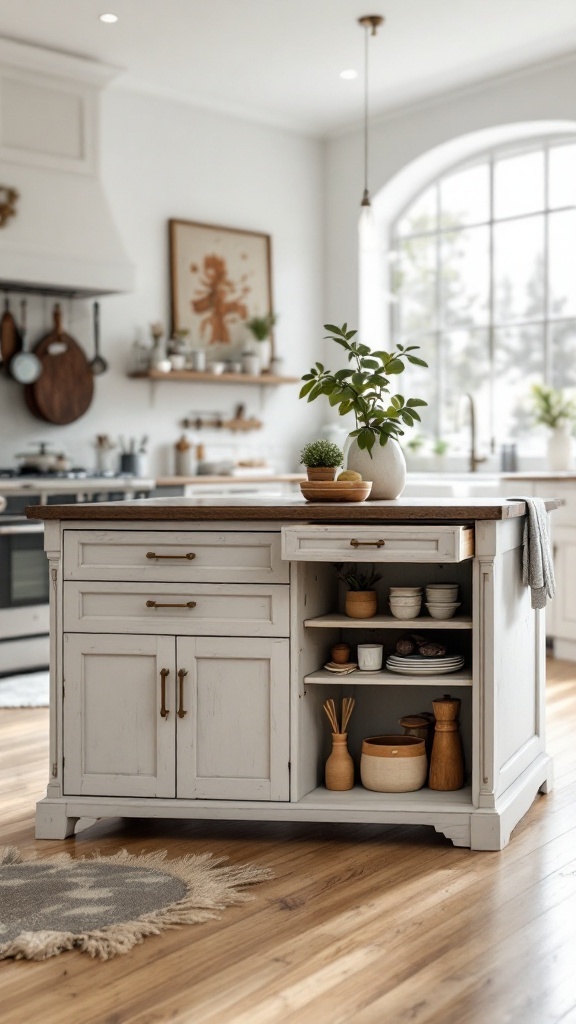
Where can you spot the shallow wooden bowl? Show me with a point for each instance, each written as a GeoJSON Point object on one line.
{"type": "Point", "coordinates": [336, 490]}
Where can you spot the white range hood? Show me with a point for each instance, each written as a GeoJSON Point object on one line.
{"type": "Point", "coordinates": [63, 238]}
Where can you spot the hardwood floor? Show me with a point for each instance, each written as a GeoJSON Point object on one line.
{"type": "Point", "coordinates": [362, 924]}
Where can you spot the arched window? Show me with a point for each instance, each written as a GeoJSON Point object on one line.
{"type": "Point", "coordinates": [484, 276]}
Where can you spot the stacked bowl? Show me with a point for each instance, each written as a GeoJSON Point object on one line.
{"type": "Point", "coordinates": [405, 602]}
{"type": "Point", "coordinates": [442, 600]}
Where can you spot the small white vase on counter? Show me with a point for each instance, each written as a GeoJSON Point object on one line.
{"type": "Point", "coordinates": [385, 466]}
{"type": "Point", "coordinates": [559, 451]}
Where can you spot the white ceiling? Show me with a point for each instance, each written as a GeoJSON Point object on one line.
{"type": "Point", "coordinates": [279, 60]}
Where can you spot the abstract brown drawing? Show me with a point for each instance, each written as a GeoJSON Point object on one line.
{"type": "Point", "coordinates": [216, 298]}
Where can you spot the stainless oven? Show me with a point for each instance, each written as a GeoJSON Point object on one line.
{"type": "Point", "coordinates": [24, 595]}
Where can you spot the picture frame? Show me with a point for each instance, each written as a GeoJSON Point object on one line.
{"type": "Point", "coordinates": [220, 277]}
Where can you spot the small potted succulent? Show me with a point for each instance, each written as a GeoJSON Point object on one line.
{"type": "Point", "coordinates": [260, 328]}
{"type": "Point", "coordinates": [361, 598]}
{"type": "Point", "coordinates": [321, 459]}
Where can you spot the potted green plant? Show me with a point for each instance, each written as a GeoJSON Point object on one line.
{"type": "Point", "coordinates": [260, 328]}
{"type": "Point", "coordinates": [321, 459]}
{"type": "Point", "coordinates": [361, 598]}
{"type": "Point", "coordinates": [553, 409]}
{"type": "Point", "coordinates": [363, 389]}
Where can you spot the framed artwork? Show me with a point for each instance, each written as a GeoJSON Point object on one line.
{"type": "Point", "coordinates": [220, 277]}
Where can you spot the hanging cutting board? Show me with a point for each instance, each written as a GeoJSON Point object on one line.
{"type": "Point", "coordinates": [65, 388]}
{"type": "Point", "coordinates": [10, 338]}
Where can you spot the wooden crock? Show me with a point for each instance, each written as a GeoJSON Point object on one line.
{"type": "Point", "coordinates": [393, 764]}
{"type": "Point", "coordinates": [361, 604]}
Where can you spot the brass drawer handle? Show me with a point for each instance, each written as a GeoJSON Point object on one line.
{"type": "Point", "coordinates": [163, 709]}
{"type": "Point", "coordinates": [152, 554]}
{"type": "Point", "coordinates": [181, 673]}
{"type": "Point", "coordinates": [367, 543]}
{"type": "Point", "coordinates": [156, 604]}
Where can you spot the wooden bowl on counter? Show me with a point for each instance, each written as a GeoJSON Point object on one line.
{"type": "Point", "coordinates": [336, 490]}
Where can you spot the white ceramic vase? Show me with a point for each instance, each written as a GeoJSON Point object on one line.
{"type": "Point", "coordinates": [559, 453]}
{"type": "Point", "coordinates": [385, 466]}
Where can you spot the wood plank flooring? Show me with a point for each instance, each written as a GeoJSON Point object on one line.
{"type": "Point", "coordinates": [361, 924]}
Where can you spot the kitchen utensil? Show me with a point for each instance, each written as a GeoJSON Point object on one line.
{"type": "Point", "coordinates": [446, 762]}
{"type": "Point", "coordinates": [442, 592]}
{"type": "Point", "coordinates": [441, 610]}
{"type": "Point", "coordinates": [98, 365]}
{"type": "Point", "coordinates": [42, 461]}
{"type": "Point", "coordinates": [10, 338]}
{"type": "Point", "coordinates": [64, 391]}
{"type": "Point", "coordinates": [25, 367]}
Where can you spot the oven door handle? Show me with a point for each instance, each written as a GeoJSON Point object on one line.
{"type": "Point", "coordinates": [12, 530]}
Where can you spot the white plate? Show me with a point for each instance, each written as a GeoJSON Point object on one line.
{"type": "Point", "coordinates": [395, 670]}
{"type": "Point", "coordinates": [426, 664]}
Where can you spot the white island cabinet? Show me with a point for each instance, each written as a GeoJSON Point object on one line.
{"type": "Point", "coordinates": [188, 644]}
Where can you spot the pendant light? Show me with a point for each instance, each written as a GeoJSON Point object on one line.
{"type": "Point", "coordinates": [367, 227]}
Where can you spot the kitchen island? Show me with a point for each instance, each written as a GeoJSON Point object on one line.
{"type": "Point", "coordinates": [188, 644]}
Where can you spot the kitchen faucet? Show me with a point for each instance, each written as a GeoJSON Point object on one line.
{"type": "Point", "coordinates": [474, 459]}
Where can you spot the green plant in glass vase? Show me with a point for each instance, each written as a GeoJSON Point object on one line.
{"type": "Point", "coordinates": [363, 389]}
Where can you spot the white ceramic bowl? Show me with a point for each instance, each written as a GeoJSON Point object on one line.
{"type": "Point", "coordinates": [405, 591]}
{"type": "Point", "coordinates": [442, 610]}
{"type": "Point", "coordinates": [405, 601]}
{"type": "Point", "coordinates": [405, 613]}
{"type": "Point", "coordinates": [442, 591]}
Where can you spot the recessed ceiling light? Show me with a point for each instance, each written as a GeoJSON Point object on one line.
{"type": "Point", "coordinates": [349, 73]}
{"type": "Point", "coordinates": [109, 18]}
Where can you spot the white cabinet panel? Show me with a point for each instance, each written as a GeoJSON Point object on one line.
{"type": "Point", "coordinates": [174, 556]}
{"type": "Point", "coordinates": [233, 737]}
{"type": "Point", "coordinates": [191, 609]}
{"type": "Point", "coordinates": [115, 740]}
{"type": "Point", "coordinates": [377, 543]}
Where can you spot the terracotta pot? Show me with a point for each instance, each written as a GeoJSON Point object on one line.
{"type": "Point", "coordinates": [321, 472]}
{"type": "Point", "coordinates": [361, 604]}
{"type": "Point", "coordinates": [341, 653]}
{"type": "Point", "coordinates": [339, 770]}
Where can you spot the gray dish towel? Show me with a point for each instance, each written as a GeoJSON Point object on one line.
{"type": "Point", "coordinates": [537, 563]}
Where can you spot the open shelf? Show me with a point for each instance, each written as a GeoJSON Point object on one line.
{"type": "Point", "coordinates": [389, 622]}
{"type": "Point", "coordinates": [323, 677]}
{"type": "Point", "coordinates": [215, 378]}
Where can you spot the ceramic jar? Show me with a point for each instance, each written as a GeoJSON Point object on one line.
{"type": "Point", "coordinates": [393, 764]}
{"type": "Point", "coordinates": [339, 769]}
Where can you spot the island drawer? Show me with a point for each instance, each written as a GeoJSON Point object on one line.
{"type": "Point", "coordinates": [201, 556]}
{"type": "Point", "coordinates": [309, 543]}
{"type": "Point", "coordinates": [203, 609]}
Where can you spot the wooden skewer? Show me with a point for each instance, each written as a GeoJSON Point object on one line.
{"type": "Point", "coordinates": [347, 709]}
{"type": "Point", "coordinates": [331, 714]}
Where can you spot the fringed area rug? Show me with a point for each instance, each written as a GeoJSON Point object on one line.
{"type": "Point", "coordinates": [105, 905]}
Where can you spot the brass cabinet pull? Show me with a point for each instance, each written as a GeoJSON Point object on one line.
{"type": "Point", "coordinates": [163, 710]}
{"type": "Point", "coordinates": [157, 604]}
{"type": "Point", "coordinates": [152, 554]}
{"type": "Point", "coordinates": [181, 673]}
{"type": "Point", "coordinates": [367, 543]}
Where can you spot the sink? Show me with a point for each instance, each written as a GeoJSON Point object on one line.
{"type": "Point", "coordinates": [457, 485]}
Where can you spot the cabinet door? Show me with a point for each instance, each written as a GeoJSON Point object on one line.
{"type": "Point", "coordinates": [233, 736]}
{"type": "Point", "coordinates": [116, 742]}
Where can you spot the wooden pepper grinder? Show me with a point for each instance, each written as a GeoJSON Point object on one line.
{"type": "Point", "coordinates": [446, 762]}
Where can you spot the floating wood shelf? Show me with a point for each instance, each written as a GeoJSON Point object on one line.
{"type": "Point", "coordinates": [266, 379]}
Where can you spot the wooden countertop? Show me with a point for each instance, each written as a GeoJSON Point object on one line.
{"type": "Point", "coordinates": [287, 509]}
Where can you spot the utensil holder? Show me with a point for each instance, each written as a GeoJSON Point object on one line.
{"type": "Point", "coordinates": [339, 768]}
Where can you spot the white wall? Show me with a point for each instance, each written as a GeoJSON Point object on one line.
{"type": "Point", "coordinates": [542, 93]}
{"type": "Point", "coordinates": [161, 159]}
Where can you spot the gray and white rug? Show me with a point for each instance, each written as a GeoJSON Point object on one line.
{"type": "Point", "coordinates": [28, 690]}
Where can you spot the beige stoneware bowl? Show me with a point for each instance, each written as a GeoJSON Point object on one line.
{"type": "Point", "coordinates": [442, 611]}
